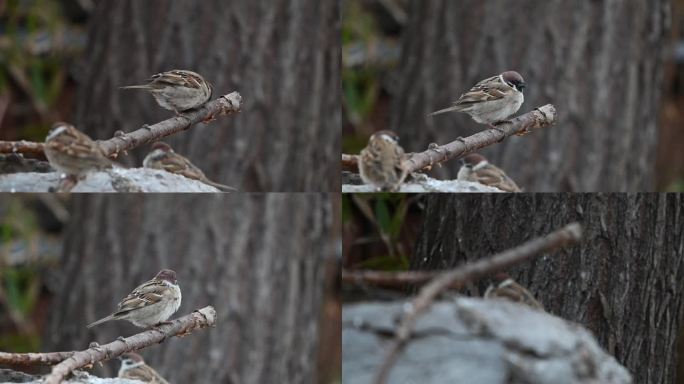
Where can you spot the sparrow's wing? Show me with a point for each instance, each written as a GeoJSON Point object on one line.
{"type": "Point", "coordinates": [75, 143]}
{"type": "Point", "coordinates": [486, 90]}
{"type": "Point", "coordinates": [508, 185]}
{"type": "Point", "coordinates": [175, 163]}
{"type": "Point", "coordinates": [191, 171]}
{"type": "Point", "coordinates": [145, 294]}
{"type": "Point", "coordinates": [495, 177]}
{"type": "Point", "coordinates": [515, 292]}
{"type": "Point", "coordinates": [177, 78]}
{"type": "Point", "coordinates": [488, 175]}
{"type": "Point", "coordinates": [181, 165]}
{"type": "Point", "coordinates": [144, 373]}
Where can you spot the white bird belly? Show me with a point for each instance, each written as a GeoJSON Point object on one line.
{"type": "Point", "coordinates": [496, 110]}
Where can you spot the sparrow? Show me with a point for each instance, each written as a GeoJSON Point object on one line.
{"type": "Point", "coordinates": [163, 157]}
{"type": "Point", "coordinates": [150, 303]}
{"type": "Point", "coordinates": [476, 168]}
{"type": "Point", "coordinates": [509, 290]}
{"type": "Point", "coordinates": [380, 163]}
{"type": "Point", "coordinates": [72, 152]}
{"type": "Point", "coordinates": [177, 90]}
{"type": "Point", "coordinates": [491, 100]}
{"type": "Point", "coordinates": [133, 367]}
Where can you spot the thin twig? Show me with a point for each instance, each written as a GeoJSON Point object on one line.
{"type": "Point", "coordinates": [568, 235]}
{"type": "Point", "coordinates": [388, 279]}
{"type": "Point", "coordinates": [199, 319]}
{"type": "Point", "coordinates": [541, 117]}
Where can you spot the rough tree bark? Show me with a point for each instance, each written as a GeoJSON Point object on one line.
{"type": "Point", "coordinates": [282, 56]}
{"type": "Point", "coordinates": [258, 259]}
{"type": "Point", "coordinates": [598, 62]}
{"type": "Point", "coordinates": [624, 281]}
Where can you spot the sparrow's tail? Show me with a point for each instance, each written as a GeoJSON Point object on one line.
{"type": "Point", "coordinates": [110, 317]}
{"type": "Point", "coordinates": [445, 110]}
{"type": "Point", "coordinates": [221, 187]}
{"type": "Point", "coordinates": [135, 87]}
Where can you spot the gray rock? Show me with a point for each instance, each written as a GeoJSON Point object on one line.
{"type": "Point", "coordinates": [475, 341]}
{"type": "Point", "coordinates": [115, 180]}
{"type": "Point", "coordinates": [78, 377]}
{"type": "Point", "coordinates": [423, 184]}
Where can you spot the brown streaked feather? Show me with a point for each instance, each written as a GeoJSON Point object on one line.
{"type": "Point", "coordinates": [486, 90]}
{"type": "Point", "coordinates": [145, 294]}
{"type": "Point", "coordinates": [76, 143]}
{"type": "Point", "coordinates": [176, 78]}
{"type": "Point", "coordinates": [175, 163]}
{"type": "Point", "coordinates": [172, 162]}
{"type": "Point", "coordinates": [516, 293]}
{"type": "Point", "coordinates": [493, 176]}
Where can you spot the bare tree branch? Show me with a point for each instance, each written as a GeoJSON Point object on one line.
{"type": "Point", "coordinates": [388, 279]}
{"type": "Point", "coordinates": [224, 105]}
{"type": "Point", "coordinates": [22, 146]}
{"type": "Point", "coordinates": [539, 118]}
{"type": "Point", "coordinates": [568, 235]}
{"type": "Point", "coordinates": [48, 358]}
{"type": "Point", "coordinates": [199, 319]}
{"type": "Point", "coordinates": [350, 162]}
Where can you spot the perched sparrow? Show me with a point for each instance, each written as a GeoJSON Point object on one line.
{"type": "Point", "coordinates": [491, 100]}
{"type": "Point", "coordinates": [508, 289]}
{"type": "Point", "coordinates": [133, 367]}
{"type": "Point", "coordinates": [163, 157]}
{"type": "Point", "coordinates": [477, 169]}
{"type": "Point", "coordinates": [72, 152]}
{"type": "Point", "coordinates": [150, 303]}
{"type": "Point", "coordinates": [177, 90]}
{"type": "Point", "coordinates": [380, 163]}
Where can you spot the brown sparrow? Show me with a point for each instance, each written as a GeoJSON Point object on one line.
{"type": "Point", "coordinates": [150, 303]}
{"type": "Point", "coordinates": [133, 367]}
{"type": "Point", "coordinates": [72, 152]}
{"type": "Point", "coordinates": [491, 100]}
{"type": "Point", "coordinates": [163, 157]}
{"type": "Point", "coordinates": [177, 90]}
{"type": "Point", "coordinates": [508, 289]}
{"type": "Point", "coordinates": [380, 163]}
{"type": "Point", "coordinates": [476, 168]}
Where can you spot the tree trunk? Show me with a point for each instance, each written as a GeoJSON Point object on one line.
{"type": "Point", "coordinates": [258, 259]}
{"type": "Point", "coordinates": [599, 62]}
{"type": "Point", "coordinates": [283, 56]}
{"type": "Point", "coordinates": [624, 281]}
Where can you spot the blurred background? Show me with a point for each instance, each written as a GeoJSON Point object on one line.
{"type": "Point", "coordinates": [64, 60]}
{"type": "Point", "coordinates": [269, 264]}
{"type": "Point", "coordinates": [614, 71]}
{"type": "Point", "coordinates": [380, 229]}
